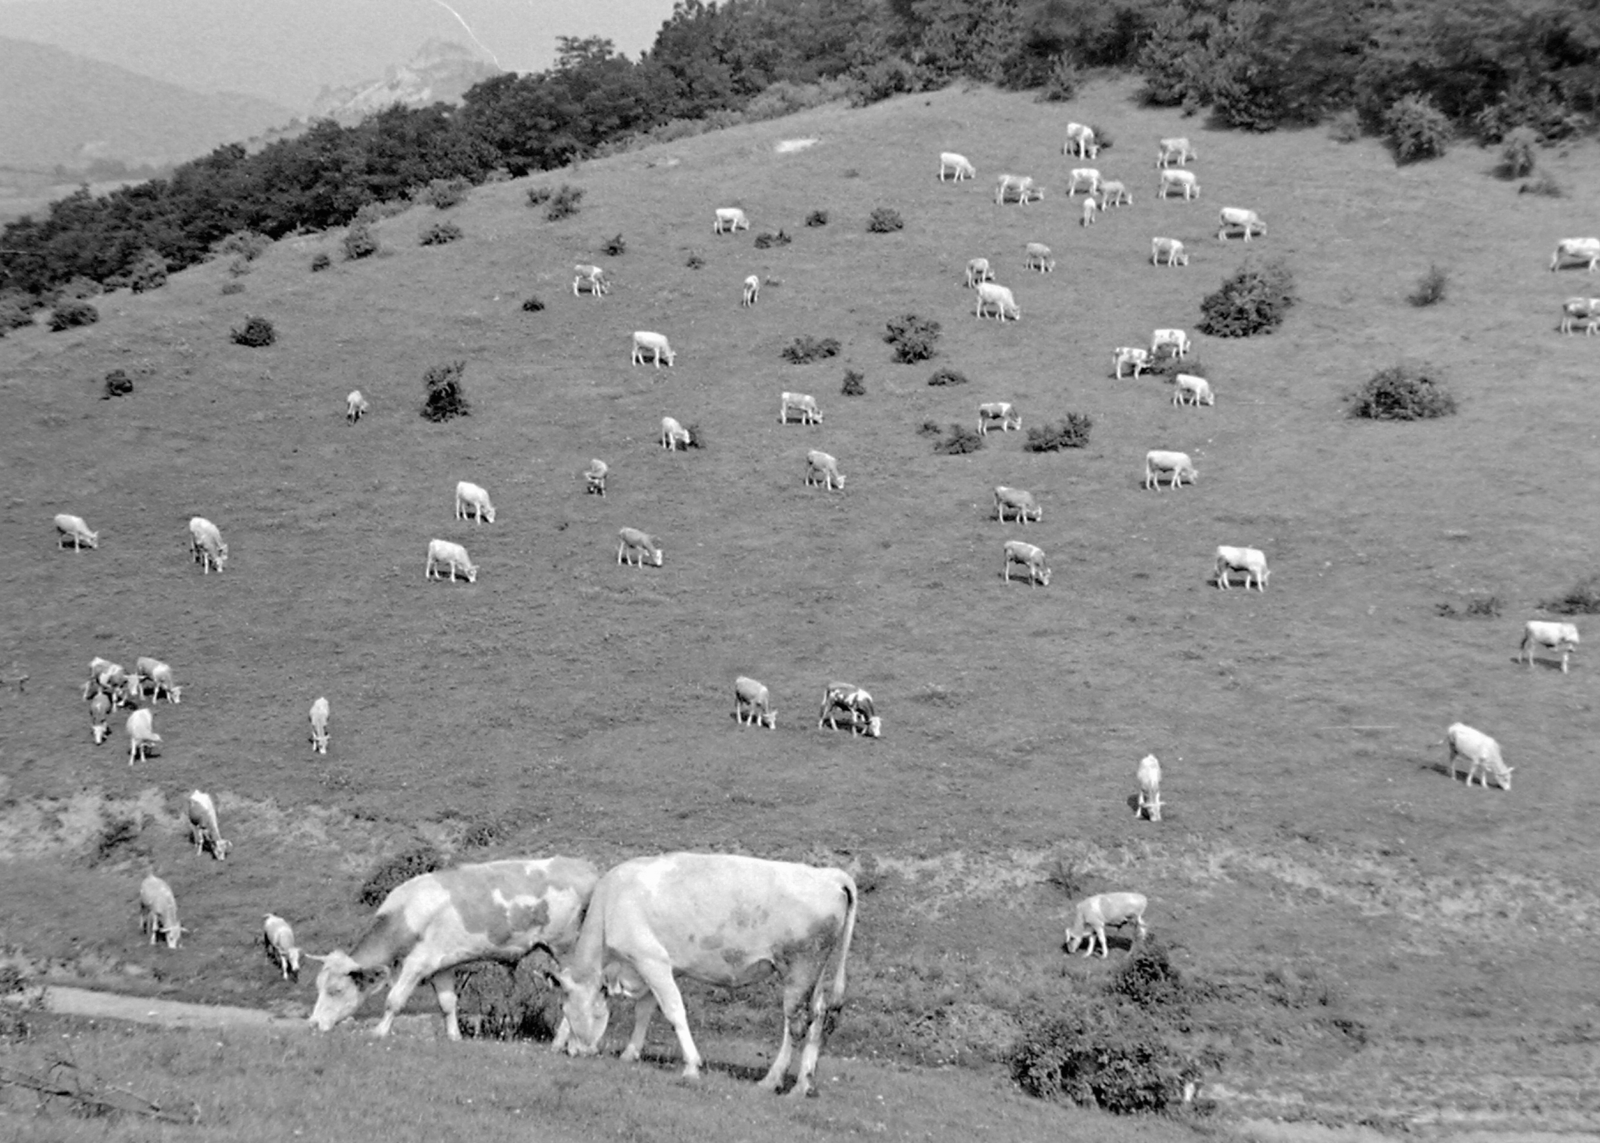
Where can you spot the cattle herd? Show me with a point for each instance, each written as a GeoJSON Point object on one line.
{"type": "Point", "coordinates": [718, 918]}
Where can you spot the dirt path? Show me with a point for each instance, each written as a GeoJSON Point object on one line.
{"type": "Point", "coordinates": [71, 1001]}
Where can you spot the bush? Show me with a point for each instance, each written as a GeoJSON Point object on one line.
{"type": "Point", "coordinates": [1402, 393]}
{"type": "Point", "coordinates": [1416, 129]}
{"type": "Point", "coordinates": [246, 244]}
{"type": "Point", "coordinates": [1545, 185]}
{"type": "Point", "coordinates": [1102, 137]}
{"type": "Point", "coordinates": [1255, 300]}
{"type": "Point", "coordinates": [885, 220]}
{"type": "Point", "coordinates": [766, 240]}
{"type": "Point", "coordinates": [816, 218]}
{"type": "Point", "coordinates": [883, 80]}
{"type": "Point", "coordinates": [1345, 127]}
{"type": "Point", "coordinates": [914, 338]}
{"type": "Point", "coordinates": [118, 384]}
{"type": "Point", "coordinates": [1166, 364]}
{"type": "Point", "coordinates": [239, 267]}
{"type": "Point", "coordinates": [117, 833]}
{"type": "Point", "coordinates": [960, 440]}
{"type": "Point", "coordinates": [1478, 607]}
{"type": "Point", "coordinates": [697, 438]}
{"type": "Point", "coordinates": [1430, 288]}
{"type": "Point", "coordinates": [532, 304]}
{"type": "Point", "coordinates": [359, 242]}
{"type": "Point", "coordinates": [1519, 153]}
{"type": "Point", "coordinates": [1581, 599]}
{"type": "Point", "coordinates": [500, 1002]}
{"type": "Point", "coordinates": [148, 272]}
{"type": "Point", "coordinates": [445, 193]}
{"type": "Point", "coordinates": [538, 196]}
{"type": "Point", "coordinates": [320, 263]}
{"type": "Point", "coordinates": [615, 246]}
{"type": "Point", "coordinates": [446, 398]}
{"type": "Point", "coordinates": [440, 233]}
{"type": "Point", "coordinates": [695, 261]}
{"type": "Point", "coordinates": [854, 384]}
{"type": "Point", "coordinates": [69, 314]}
{"type": "Point", "coordinates": [564, 203]}
{"type": "Point", "coordinates": [1061, 85]}
{"type": "Point", "coordinates": [929, 429]}
{"type": "Point", "coordinates": [232, 288]}
{"type": "Point", "coordinates": [1070, 433]}
{"type": "Point", "coordinates": [1148, 979]}
{"type": "Point", "coordinates": [256, 333]}
{"type": "Point", "coordinates": [16, 311]}
{"type": "Point", "coordinates": [397, 871]}
{"type": "Point", "coordinates": [947, 376]}
{"type": "Point", "coordinates": [1110, 1056]}
{"type": "Point", "coordinates": [805, 350]}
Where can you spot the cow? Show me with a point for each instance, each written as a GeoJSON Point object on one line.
{"type": "Point", "coordinates": [638, 547]}
{"type": "Point", "coordinates": [1114, 192]}
{"type": "Point", "coordinates": [1138, 358]}
{"type": "Point", "coordinates": [73, 528]}
{"type": "Point", "coordinates": [1018, 500]}
{"type": "Point", "coordinates": [1159, 460]}
{"type": "Point", "coordinates": [1481, 752]}
{"type": "Point", "coordinates": [1022, 185]}
{"type": "Point", "coordinates": [204, 829]}
{"type": "Point", "coordinates": [823, 469]}
{"type": "Point", "coordinates": [429, 925]}
{"type": "Point", "coordinates": [100, 716]}
{"type": "Point", "coordinates": [319, 725]}
{"type": "Point", "coordinates": [730, 219]}
{"type": "Point", "coordinates": [978, 271]}
{"type": "Point", "coordinates": [752, 290]}
{"type": "Point", "coordinates": [1171, 248]}
{"type": "Point", "coordinates": [721, 919]}
{"type": "Point", "coordinates": [109, 679]}
{"type": "Point", "coordinates": [1149, 776]}
{"type": "Point", "coordinates": [1176, 339]}
{"type": "Point", "coordinates": [1088, 175]}
{"type": "Point", "coordinates": [855, 702]}
{"type": "Point", "coordinates": [646, 342]}
{"type": "Point", "coordinates": [1576, 249]}
{"type": "Point", "coordinates": [1030, 557]}
{"type": "Point", "coordinates": [997, 298]}
{"type": "Point", "coordinates": [1573, 310]}
{"type": "Point", "coordinates": [1238, 218]}
{"type": "Point", "coordinates": [1081, 142]}
{"type": "Point", "coordinates": [1090, 207]}
{"type": "Point", "coordinates": [472, 498]}
{"type": "Point", "coordinates": [956, 165]}
{"type": "Point", "coordinates": [355, 406]}
{"type": "Point", "coordinates": [595, 477]}
{"type": "Point", "coordinates": [453, 556]}
{"type": "Point", "coordinates": [1174, 148]}
{"type": "Point", "coordinates": [674, 434]}
{"type": "Point", "coordinates": [205, 544]}
{"type": "Point", "coordinates": [1003, 412]}
{"type": "Point", "coordinates": [805, 403]}
{"type": "Point", "coordinates": [1036, 257]}
{"type": "Point", "coordinates": [1178, 180]}
{"type": "Point", "coordinates": [140, 735]}
{"type": "Point", "coordinates": [158, 911]}
{"type": "Point", "coordinates": [1188, 389]}
{"type": "Point", "coordinates": [1251, 561]}
{"type": "Point", "coordinates": [1561, 638]}
{"type": "Point", "coordinates": [752, 699]}
{"type": "Point", "coordinates": [591, 279]}
{"type": "Point", "coordinates": [278, 939]}
{"type": "Point", "coordinates": [1093, 914]}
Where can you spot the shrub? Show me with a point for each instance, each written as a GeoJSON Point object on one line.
{"type": "Point", "coordinates": [232, 288]}
{"type": "Point", "coordinates": [615, 246]}
{"type": "Point", "coordinates": [696, 437]}
{"type": "Point", "coordinates": [1062, 83]}
{"type": "Point", "coordinates": [1166, 364]}
{"type": "Point", "coordinates": [766, 240]}
{"type": "Point", "coordinates": [695, 261]}
{"type": "Point", "coordinates": [118, 384]}
{"type": "Point", "coordinates": [1545, 185]}
{"type": "Point", "coordinates": [446, 398]}
{"type": "Point", "coordinates": [69, 314]}
{"type": "Point", "coordinates": [1148, 979]}
{"type": "Point", "coordinates": [1583, 598]}
{"type": "Point", "coordinates": [851, 173]}
{"type": "Point", "coordinates": [885, 220]}
{"type": "Point", "coordinates": [1110, 1056]}
{"type": "Point", "coordinates": [538, 196]}
{"type": "Point", "coordinates": [1416, 129]}
{"type": "Point", "coordinates": [499, 1002]}
{"type": "Point", "coordinates": [564, 203]}
{"type": "Point", "coordinates": [16, 311]}
{"type": "Point", "coordinates": [929, 429]}
{"type": "Point", "coordinates": [1102, 137]}
{"type": "Point", "coordinates": [1255, 300]}
{"type": "Point", "coordinates": [397, 871]}
{"type": "Point", "coordinates": [532, 304]}
{"type": "Point", "coordinates": [817, 218]}
{"type": "Point", "coordinates": [1070, 433]}
{"type": "Point", "coordinates": [1478, 607]}
{"type": "Point", "coordinates": [445, 193]}
{"type": "Point", "coordinates": [1430, 288]}
{"type": "Point", "coordinates": [148, 272]}
{"type": "Point", "coordinates": [959, 441]}
{"type": "Point", "coordinates": [914, 338]}
{"type": "Point", "coordinates": [246, 244]}
{"type": "Point", "coordinates": [805, 350]}
{"type": "Point", "coordinates": [78, 288]}
{"type": "Point", "coordinates": [359, 242]}
{"type": "Point", "coordinates": [117, 833]}
{"type": "Point", "coordinates": [440, 233]}
{"type": "Point", "coordinates": [1519, 153]}
{"type": "Point", "coordinates": [1345, 127]}
{"type": "Point", "coordinates": [947, 376]}
{"type": "Point", "coordinates": [854, 384]}
{"type": "Point", "coordinates": [239, 267]}
{"type": "Point", "coordinates": [320, 263]}
{"type": "Point", "coordinates": [1402, 393]}
{"type": "Point", "coordinates": [256, 333]}
{"type": "Point", "coordinates": [883, 80]}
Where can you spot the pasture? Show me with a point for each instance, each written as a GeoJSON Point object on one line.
{"type": "Point", "coordinates": [1312, 842]}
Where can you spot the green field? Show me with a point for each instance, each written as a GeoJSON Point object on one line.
{"type": "Point", "coordinates": [1313, 842]}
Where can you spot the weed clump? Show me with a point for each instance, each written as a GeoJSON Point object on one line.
{"type": "Point", "coordinates": [805, 350]}
{"type": "Point", "coordinates": [1148, 979]}
{"type": "Point", "coordinates": [1416, 129]}
{"type": "Point", "coordinates": [564, 203]}
{"type": "Point", "coordinates": [854, 384]}
{"type": "Point", "coordinates": [1402, 393]}
{"type": "Point", "coordinates": [1545, 185]}
{"type": "Point", "coordinates": [397, 871]}
{"type": "Point", "coordinates": [1070, 433]}
{"type": "Point", "coordinates": [1583, 598]}
{"type": "Point", "coordinates": [929, 429]}
{"type": "Point", "coordinates": [246, 244]}
{"type": "Point", "coordinates": [1478, 607]}
{"type": "Point", "coordinates": [118, 384]}
{"type": "Point", "coordinates": [446, 398]}
{"type": "Point", "coordinates": [499, 1002]}
{"type": "Point", "coordinates": [1430, 288]}
{"type": "Point", "coordinates": [1061, 85]}
{"type": "Point", "coordinates": [439, 234]}
{"type": "Point", "coordinates": [1255, 300]}
{"type": "Point", "coordinates": [117, 834]}
{"type": "Point", "coordinates": [16, 311]}
{"type": "Point", "coordinates": [1099, 1054]}
{"type": "Point", "coordinates": [695, 261]}
{"type": "Point", "coordinates": [256, 333]}
{"type": "Point", "coordinates": [445, 193]}
{"type": "Point", "coordinates": [532, 304]}
{"type": "Point", "coordinates": [231, 288]}
{"type": "Point", "coordinates": [1519, 153]}
{"type": "Point", "coordinates": [885, 220]}
{"type": "Point", "coordinates": [767, 240]}
{"type": "Point", "coordinates": [359, 242]}
{"type": "Point", "coordinates": [947, 376]}
{"type": "Point", "coordinates": [914, 338]}
{"type": "Point", "coordinates": [538, 196]}
{"type": "Point", "coordinates": [1345, 127]}
{"type": "Point", "coordinates": [816, 218]}
{"type": "Point", "coordinates": [148, 272]}
{"type": "Point", "coordinates": [70, 314]}
{"type": "Point", "coordinates": [960, 440]}
{"type": "Point", "coordinates": [615, 246]}
{"type": "Point", "coordinates": [320, 263]}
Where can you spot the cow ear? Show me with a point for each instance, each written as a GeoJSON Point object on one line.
{"type": "Point", "coordinates": [370, 978]}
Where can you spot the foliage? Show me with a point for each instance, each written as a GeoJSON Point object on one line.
{"type": "Point", "coordinates": [239, 267]}
{"type": "Point", "coordinates": [445, 193]}
{"type": "Point", "coordinates": [118, 833]}
{"type": "Point", "coordinates": [246, 244]}
{"type": "Point", "coordinates": [70, 314]}
{"type": "Point", "coordinates": [231, 288]}
{"type": "Point", "coordinates": [885, 220]}
{"type": "Point", "coordinates": [1255, 300]}
{"type": "Point", "coordinates": [1062, 83]}
{"type": "Point", "coordinates": [396, 871]}
{"type": "Point", "coordinates": [118, 384]}
{"type": "Point", "coordinates": [695, 261]}
{"type": "Point", "coordinates": [614, 246]}
{"type": "Point", "coordinates": [148, 272]}
{"type": "Point", "coordinates": [959, 441]}
{"type": "Point", "coordinates": [766, 240]}
{"type": "Point", "coordinates": [1073, 432]}
{"type": "Point", "coordinates": [914, 338]}
{"type": "Point", "coordinates": [440, 233]}
{"type": "Point", "coordinates": [255, 333]}
{"type": "Point", "coordinates": [1099, 1054]}
{"type": "Point", "coordinates": [1478, 607]}
{"type": "Point", "coordinates": [532, 304]}
{"type": "Point", "coordinates": [359, 242]}
{"type": "Point", "coordinates": [1545, 185]}
{"type": "Point", "coordinates": [1583, 598]}
{"type": "Point", "coordinates": [1148, 979]}
{"type": "Point", "coordinates": [947, 376]}
{"type": "Point", "coordinates": [1430, 288]}
{"type": "Point", "coordinates": [320, 262]}
{"type": "Point", "coordinates": [805, 350]}
{"type": "Point", "coordinates": [884, 79]}
{"type": "Point", "coordinates": [1165, 363]}
{"type": "Point", "coordinates": [446, 398]}
{"type": "Point", "coordinates": [564, 204]}
{"type": "Point", "coordinates": [1416, 129]}
{"type": "Point", "coordinates": [1345, 127]}
{"type": "Point", "coordinates": [1402, 393]}
{"type": "Point", "coordinates": [854, 384]}
{"type": "Point", "coordinates": [499, 1002]}
{"type": "Point", "coordinates": [1519, 153]}
{"type": "Point", "coordinates": [817, 218]}
{"type": "Point", "coordinates": [538, 196]}
{"type": "Point", "coordinates": [16, 310]}
{"type": "Point", "coordinates": [929, 429]}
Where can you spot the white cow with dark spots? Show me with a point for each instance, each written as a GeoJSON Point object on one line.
{"type": "Point", "coordinates": [1482, 754]}
{"type": "Point", "coordinates": [1251, 561]}
{"type": "Point", "coordinates": [204, 829]}
{"type": "Point", "coordinates": [319, 725]}
{"type": "Point", "coordinates": [453, 556]}
{"type": "Point", "coordinates": [1002, 413]}
{"type": "Point", "coordinates": [278, 939]}
{"type": "Point", "coordinates": [1094, 914]}
{"type": "Point", "coordinates": [1573, 310]}
{"type": "Point", "coordinates": [1133, 356]}
{"type": "Point", "coordinates": [854, 701]}
{"type": "Point", "coordinates": [1028, 556]}
{"type": "Point", "coordinates": [73, 528]}
{"type": "Point", "coordinates": [1178, 464]}
{"type": "Point", "coordinates": [1019, 501]}
{"type": "Point", "coordinates": [752, 703]}
{"type": "Point", "coordinates": [638, 548]}
{"type": "Point", "coordinates": [1562, 638]}
{"type": "Point", "coordinates": [158, 911]}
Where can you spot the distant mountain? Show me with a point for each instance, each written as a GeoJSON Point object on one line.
{"type": "Point", "coordinates": [441, 71]}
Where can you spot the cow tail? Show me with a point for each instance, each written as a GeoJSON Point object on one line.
{"type": "Point", "coordinates": [851, 898]}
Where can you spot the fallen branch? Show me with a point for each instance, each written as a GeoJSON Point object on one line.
{"type": "Point", "coordinates": [99, 1102]}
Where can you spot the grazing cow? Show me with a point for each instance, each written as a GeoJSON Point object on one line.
{"type": "Point", "coordinates": [1251, 561]}
{"type": "Point", "coordinates": [1176, 148]}
{"type": "Point", "coordinates": [978, 271]}
{"type": "Point", "coordinates": [140, 735]}
{"type": "Point", "coordinates": [1088, 175]}
{"type": "Point", "coordinates": [1023, 187]}
{"type": "Point", "coordinates": [1191, 390]}
{"type": "Point", "coordinates": [721, 919]}
{"type": "Point", "coordinates": [99, 716]}
{"type": "Point", "coordinates": [472, 497]}
{"type": "Point", "coordinates": [1036, 257]}
{"type": "Point", "coordinates": [1159, 460]}
{"type": "Point", "coordinates": [810, 413]}
{"type": "Point", "coordinates": [278, 938]}
{"type": "Point", "coordinates": [106, 677]}
{"type": "Point", "coordinates": [158, 911]}
{"type": "Point", "coordinates": [1090, 207]}
{"type": "Point", "coordinates": [595, 478]}
{"type": "Point", "coordinates": [1238, 218]}
{"type": "Point", "coordinates": [205, 544]}
{"type": "Point", "coordinates": [956, 165]}
{"type": "Point", "coordinates": [319, 725]}
{"type": "Point", "coordinates": [1081, 142]}
{"type": "Point", "coordinates": [1559, 637]}
{"type": "Point", "coordinates": [591, 279]}
{"type": "Point", "coordinates": [1578, 250]}
{"type": "Point", "coordinates": [1177, 339]}
{"type": "Point", "coordinates": [823, 469]}
{"type": "Point", "coordinates": [1019, 501]}
{"type": "Point", "coordinates": [729, 220]}
{"type": "Point", "coordinates": [1030, 557]}
{"type": "Point", "coordinates": [997, 298]}
{"type": "Point", "coordinates": [752, 290]}
{"type": "Point", "coordinates": [1178, 180]}
{"type": "Point", "coordinates": [1114, 192]}
{"type": "Point", "coordinates": [355, 406]}
{"type": "Point", "coordinates": [1149, 776]}
{"type": "Point", "coordinates": [500, 910]}
{"type": "Point", "coordinates": [1171, 248]}
{"type": "Point", "coordinates": [1002, 411]}
{"type": "Point", "coordinates": [638, 548]}
{"type": "Point", "coordinates": [752, 699]}
{"type": "Point", "coordinates": [204, 829]}
{"type": "Point", "coordinates": [673, 434]}
{"type": "Point", "coordinates": [1093, 914]}
{"type": "Point", "coordinates": [644, 341]}
{"type": "Point", "coordinates": [1130, 355]}
{"type": "Point", "coordinates": [855, 702]}
{"type": "Point", "coordinates": [1481, 752]}
{"type": "Point", "coordinates": [453, 556]}
{"type": "Point", "coordinates": [73, 528]}
{"type": "Point", "coordinates": [1573, 310]}
{"type": "Point", "coordinates": [159, 676]}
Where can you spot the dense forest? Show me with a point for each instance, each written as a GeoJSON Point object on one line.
{"type": "Point", "coordinates": [1473, 68]}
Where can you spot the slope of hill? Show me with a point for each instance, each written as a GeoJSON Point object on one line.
{"type": "Point", "coordinates": [1364, 930]}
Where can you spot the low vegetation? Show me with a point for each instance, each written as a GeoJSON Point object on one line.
{"type": "Point", "coordinates": [885, 220]}
{"type": "Point", "coordinates": [914, 338]}
{"type": "Point", "coordinates": [359, 242]}
{"type": "Point", "coordinates": [439, 233]}
{"type": "Point", "coordinates": [257, 332]}
{"type": "Point", "coordinates": [246, 244]}
{"type": "Point", "coordinates": [1476, 607]}
{"type": "Point", "coordinates": [1582, 598]}
{"type": "Point", "coordinates": [397, 871]}
{"type": "Point", "coordinates": [766, 240]}
{"type": "Point", "coordinates": [320, 263]}
{"type": "Point", "coordinates": [445, 193]}
{"type": "Point", "coordinates": [564, 203]}
{"type": "Point", "coordinates": [960, 439]}
{"type": "Point", "coordinates": [532, 304]}
{"type": "Point", "coordinates": [615, 246]}
{"type": "Point", "coordinates": [1255, 300]}
{"type": "Point", "coordinates": [817, 218]}
{"type": "Point", "coordinates": [1402, 393]}
{"type": "Point", "coordinates": [67, 315]}
{"type": "Point", "coordinates": [804, 350]}
{"type": "Point", "coordinates": [695, 260]}
{"type": "Point", "coordinates": [1073, 432]}
{"type": "Point", "coordinates": [446, 397]}
{"type": "Point", "coordinates": [1416, 129]}
{"type": "Point", "coordinates": [947, 376]}
{"type": "Point", "coordinates": [855, 383]}
{"type": "Point", "coordinates": [1546, 186]}
{"type": "Point", "coordinates": [1519, 153]}
{"type": "Point", "coordinates": [118, 384]}
{"type": "Point", "coordinates": [229, 288]}
{"type": "Point", "coordinates": [1430, 288]}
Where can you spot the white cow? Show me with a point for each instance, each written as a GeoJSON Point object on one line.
{"type": "Point", "coordinates": [1114, 192]}
{"type": "Point", "coordinates": [100, 716]}
{"type": "Point", "coordinates": [1175, 148]}
{"type": "Point", "coordinates": [1087, 175]}
{"type": "Point", "coordinates": [355, 406]}
{"type": "Point", "coordinates": [1019, 501]}
{"type": "Point", "coordinates": [1138, 358]}
{"type": "Point", "coordinates": [1002, 411]}
{"type": "Point", "coordinates": [1093, 914]}
{"type": "Point", "coordinates": [1036, 257]}
{"type": "Point", "coordinates": [646, 342]}
{"type": "Point", "coordinates": [1159, 460]}
{"type": "Point", "coordinates": [1022, 185]}
{"type": "Point", "coordinates": [140, 735]}
{"type": "Point", "coordinates": [978, 271]}
{"type": "Point", "coordinates": [590, 278]}
{"type": "Point", "coordinates": [1080, 141]}
{"type": "Point", "coordinates": [109, 679]}
{"type": "Point", "coordinates": [1577, 250]}
{"type": "Point", "coordinates": [1559, 637]}
{"type": "Point", "coordinates": [1171, 249]}
{"type": "Point", "coordinates": [853, 701]}
{"type": "Point", "coordinates": [205, 543]}
{"type": "Point", "coordinates": [204, 828]}
{"type": "Point", "coordinates": [319, 725]}
{"type": "Point", "coordinates": [674, 434]}
{"type": "Point", "coordinates": [729, 220]}
{"type": "Point", "coordinates": [159, 676]}
{"type": "Point", "coordinates": [1573, 310]}
{"type": "Point", "coordinates": [1149, 775]}
{"type": "Point", "coordinates": [1176, 338]}
{"type": "Point", "coordinates": [1178, 180]}
{"type": "Point", "coordinates": [956, 165]}
{"type": "Point", "coordinates": [1251, 561]}
{"type": "Point", "coordinates": [1238, 218]}
{"type": "Point", "coordinates": [810, 413]}
{"type": "Point", "coordinates": [1090, 208]}
{"type": "Point", "coordinates": [453, 556]}
{"type": "Point", "coordinates": [158, 911]}
{"type": "Point", "coordinates": [595, 477]}
{"type": "Point", "coordinates": [638, 547]}
{"type": "Point", "coordinates": [1191, 390]}
{"type": "Point", "coordinates": [1481, 752]}
{"type": "Point", "coordinates": [752, 703]}
{"type": "Point", "coordinates": [752, 290]}
{"type": "Point", "coordinates": [73, 528]}
{"type": "Point", "coordinates": [721, 919]}
{"type": "Point", "coordinates": [823, 469]}
{"type": "Point", "coordinates": [472, 498]}
{"type": "Point", "coordinates": [996, 298]}
{"type": "Point", "coordinates": [278, 938]}
{"type": "Point", "coordinates": [1030, 557]}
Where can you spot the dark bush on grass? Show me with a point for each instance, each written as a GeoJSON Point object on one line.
{"type": "Point", "coordinates": [615, 246]}
{"type": "Point", "coordinates": [1062, 84]}
{"type": "Point", "coordinates": [1166, 364]}
{"type": "Point", "coordinates": [70, 314]}
{"type": "Point", "coordinates": [239, 267]}
{"type": "Point", "coordinates": [1519, 153]}
{"type": "Point", "coordinates": [1430, 288]}
{"type": "Point", "coordinates": [1102, 137]}
{"type": "Point", "coordinates": [1402, 393]}
{"type": "Point", "coordinates": [1478, 607]}
{"type": "Point", "coordinates": [1545, 185]}
{"type": "Point", "coordinates": [817, 218]}
{"type": "Point", "coordinates": [320, 263]}
{"type": "Point", "coordinates": [564, 204]}
{"type": "Point", "coordinates": [960, 440]}
{"type": "Point", "coordinates": [855, 384]}
{"type": "Point", "coordinates": [1345, 127]}
{"type": "Point", "coordinates": [1416, 129]}
{"type": "Point", "coordinates": [805, 350]}
{"type": "Point", "coordinates": [532, 304]}
{"type": "Point", "coordinates": [232, 288]}
{"type": "Point", "coordinates": [256, 333]}
{"type": "Point", "coordinates": [696, 437]}
{"type": "Point", "coordinates": [499, 1002]}
{"type": "Point", "coordinates": [538, 196]}
{"type": "Point", "coordinates": [446, 398]}
{"type": "Point", "coordinates": [16, 311]}
{"type": "Point", "coordinates": [439, 234]}
{"type": "Point", "coordinates": [1255, 300]}
{"type": "Point", "coordinates": [1583, 598]}
{"type": "Point", "coordinates": [929, 429]}
{"type": "Point", "coordinates": [246, 244]}
{"type": "Point", "coordinates": [695, 261]}
{"type": "Point", "coordinates": [445, 193]}
{"type": "Point", "coordinates": [1148, 979]}
{"type": "Point", "coordinates": [947, 376]}
{"type": "Point", "coordinates": [118, 384]}
{"type": "Point", "coordinates": [1099, 1054]}
{"type": "Point", "coordinates": [1070, 433]}
{"type": "Point", "coordinates": [397, 871]}
{"type": "Point", "coordinates": [359, 242]}
{"type": "Point", "coordinates": [914, 338]}
{"type": "Point", "coordinates": [766, 240]}
{"type": "Point", "coordinates": [885, 220]}
{"type": "Point", "coordinates": [117, 836]}
{"type": "Point", "coordinates": [149, 272]}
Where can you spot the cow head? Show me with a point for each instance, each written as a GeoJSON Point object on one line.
{"type": "Point", "coordinates": [874, 727]}
{"type": "Point", "coordinates": [341, 984]}
{"type": "Point", "coordinates": [220, 847]}
{"type": "Point", "coordinates": [586, 1009]}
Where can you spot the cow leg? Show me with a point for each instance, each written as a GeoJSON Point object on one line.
{"type": "Point", "coordinates": [658, 975]}
{"type": "Point", "coordinates": [412, 973]}
{"type": "Point", "coordinates": [792, 999]}
{"type": "Point", "coordinates": [444, 987]}
{"type": "Point", "coordinates": [644, 1007]}
{"type": "Point", "coordinates": [1101, 933]}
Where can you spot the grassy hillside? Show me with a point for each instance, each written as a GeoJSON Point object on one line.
{"type": "Point", "coordinates": [1369, 931]}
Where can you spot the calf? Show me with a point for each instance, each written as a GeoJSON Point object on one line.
{"type": "Point", "coordinates": [804, 403]}
{"type": "Point", "coordinates": [1081, 142]}
{"type": "Point", "coordinates": [1114, 192]}
{"type": "Point", "coordinates": [674, 434]}
{"type": "Point", "coordinates": [319, 726]}
{"type": "Point", "coordinates": [1559, 637]}
{"type": "Point", "coordinates": [638, 548]}
{"type": "Point", "coordinates": [646, 342]}
{"type": "Point", "coordinates": [100, 716]}
{"type": "Point", "coordinates": [453, 556]}
{"type": "Point", "coordinates": [159, 676]}
{"type": "Point", "coordinates": [1175, 148]}
{"type": "Point", "coordinates": [752, 289]}
{"type": "Point", "coordinates": [823, 469]}
{"type": "Point", "coordinates": [204, 829]}
{"type": "Point", "coordinates": [158, 911]}
{"type": "Point", "coordinates": [1237, 218]}
{"type": "Point", "coordinates": [474, 500]}
{"type": "Point", "coordinates": [1481, 752]}
{"type": "Point", "coordinates": [1023, 187]}
{"type": "Point", "coordinates": [1030, 557]}
{"type": "Point", "coordinates": [1019, 501]}
{"type": "Point", "coordinates": [1179, 180]}
{"type": "Point", "coordinates": [1251, 561]}
{"type": "Point", "coordinates": [978, 271]}
{"type": "Point", "coordinates": [1171, 249]}
{"type": "Point", "coordinates": [595, 478]}
{"type": "Point", "coordinates": [73, 528]}
{"type": "Point", "coordinates": [141, 736]}
{"type": "Point", "coordinates": [278, 939]}
{"type": "Point", "coordinates": [854, 701]}
{"type": "Point", "coordinates": [205, 543]}
{"type": "Point", "coordinates": [109, 679]}
{"type": "Point", "coordinates": [1188, 389]}
{"type": "Point", "coordinates": [956, 165]}
{"type": "Point", "coordinates": [1086, 175]}
{"type": "Point", "coordinates": [1093, 914]}
{"type": "Point", "coordinates": [1036, 257]}
{"type": "Point", "coordinates": [1573, 310]}
{"type": "Point", "coordinates": [1130, 355]}
{"type": "Point", "coordinates": [355, 406]}
{"type": "Point", "coordinates": [1158, 460]}
{"type": "Point", "coordinates": [592, 279]}
{"type": "Point", "coordinates": [1002, 412]}
{"type": "Point", "coordinates": [1149, 776]}
{"type": "Point", "coordinates": [1090, 206]}
{"type": "Point", "coordinates": [752, 703]}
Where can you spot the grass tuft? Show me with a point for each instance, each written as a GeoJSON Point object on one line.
{"type": "Point", "coordinates": [885, 220]}
{"type": "Point", "coordinates": [1430, 288]}
{"type": "Point", "coordinates": [1582, 598]}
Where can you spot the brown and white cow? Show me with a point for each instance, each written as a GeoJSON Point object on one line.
{"type": "Point", "coordinates": [854, 701]}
